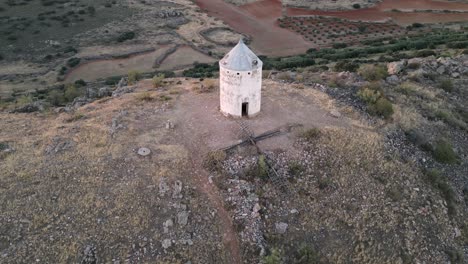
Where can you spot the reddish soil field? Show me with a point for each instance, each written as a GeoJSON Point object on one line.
{"type": "Point", "coordinates": [382, 12]}
{"type": "Point", "coordinates": [268, 38]}
{"type": "Point", "coordinates": [266, 10]}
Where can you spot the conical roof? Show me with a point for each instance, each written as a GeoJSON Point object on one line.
{"type": "Point", "coordinates": [241, 58]}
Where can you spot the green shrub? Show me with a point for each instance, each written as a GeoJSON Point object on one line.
{"type": "Point", "coordinates": [55, 97]}
{"type": "Point", "coordinates": [306, 255]}
{"type": "Point", "coordinates": [24, 100]}
{"type": "Point", "coordinates": [455, 256]}
{"type": "Point", "coordinates": [144, 96]}
{"type": "Point", "coordinates": [446, 85]}
{"type": "Point", "coordinates": [164, 97]}
{"type": "Point", "coordinates": [133, 77]}
{"type": "Point", "coordinates": [443, 152]}
{"type": "Point", "coordinates": [339, 45]}
{"type": "Point", "coordinates": [368, 95]}
{"type": "Point", "coordinates": [259, 169]}
{"type": "Point", "coordinates": [275, 257]}
{"type": "Point", "coordinates": [80, 83]}
{"type": "Point", "coordinates": [71, 92]}
{"type": "Point", "coordinates": [157, 80]}
{"type": "Point", "coordinates": [295, 168]}
{"type": "Point", "coordinates": [126, 36]}
{"type": "Point", "coordinates": [214, 160]}
{"type": "Point", "coordinates": [356, 6]}
{"type": "Point", "coordinates": [382, 107]}
{"type": "Point", "coordinates": [72, 62]}
{"type": "Point", "coordinates": [346, 66]}
{"type": "Point", "coordinates": [310, 134]}
{"type": "Point", "coordinates": [425, 53]}
{"type": "Point", "coordinates": [414, 65]}
{"type": "Point", "coordinates": [114, 80]}
{"type": "Point", "coordinates": [373, 72]}
{"type": "Point", "coordinates": [440, 183]}
{"type": "Point", "coordinates": [75, 117]}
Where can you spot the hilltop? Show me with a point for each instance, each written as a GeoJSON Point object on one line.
{"type": "Point", "coordinates": [362, 182]}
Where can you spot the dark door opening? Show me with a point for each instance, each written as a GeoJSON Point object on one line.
{"type": "Point", "coordinates": [245, 109]}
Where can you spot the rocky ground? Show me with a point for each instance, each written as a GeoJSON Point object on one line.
{"type": "Point", "coordinates": [124, 174]}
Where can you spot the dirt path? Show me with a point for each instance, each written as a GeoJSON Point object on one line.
{"type": "Point", "coordinates": [193, 139]}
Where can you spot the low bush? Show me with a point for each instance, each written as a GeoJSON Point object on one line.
{"type": "Point", "coordinates": [275, 257]}
{"type": "Point", "coordinates": [306, 255]}
{"type": "Point", "coordinates": [126, 36]}
{"type": "Point", "coordinates": [80, 83]}
{"type": "Point", "coordinates": [382, 107]}
{"type": "Point", "coordinates": [24, 100]}
{"type": "Point", "coordinates": [158, 80]}
{"type": "Point", "coordinates": [446, 85]}
{"type": "Point", "coordinates": [144, 96]}
{"type": "Point", "coordinates": [71, 92]}
{"type": "Point", "coordinates": [443, 152]}
{"type": "Point", "coordinates": [373, 72]}
{"type": "Point", "coordinates": [346, 66]}
{"type": "Point", "coordinates": [214, 160]}
{"type": "Point", "coordinates": [439, 182]}
{"type": "Point", "coordinates": [369, 95]}
{"type": "Point", "coordinates": [72, 62]}
{"type": "Point", "coordinates": [295, 168]}
{"type": "Point", "coordinates": [310, 134]}
{"type": "Point", "coordinates": [75, 117]}
{"type": "Point", "coordinates": [133, 77]}
{"type": "Point", "coordinates": [258, 170]}
{"type": "Point", "coordinates": [114, 80]}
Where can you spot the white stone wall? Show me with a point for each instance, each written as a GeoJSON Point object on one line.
{"type": "Point", "coordinates": [237, 87]}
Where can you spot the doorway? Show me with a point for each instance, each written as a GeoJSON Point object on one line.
{"type": "Point", "coordinates": [245, 109]}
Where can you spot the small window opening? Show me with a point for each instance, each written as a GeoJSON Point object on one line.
{"type": "Point", "coordinates": [249, 73]}
{"type": "Point", "coordinates": [238, 73]}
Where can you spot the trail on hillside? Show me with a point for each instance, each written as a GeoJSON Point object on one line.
{"type": "Point", "coordinates": [193, 141]}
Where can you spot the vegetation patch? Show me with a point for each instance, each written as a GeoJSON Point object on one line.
{"type": "Point", "coordinates": [443, 152]}
{"type": "Point", "coordinates": [440, 183]}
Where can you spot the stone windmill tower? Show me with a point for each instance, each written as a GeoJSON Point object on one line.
{"type": "Point", "coordinates": [240, 75]}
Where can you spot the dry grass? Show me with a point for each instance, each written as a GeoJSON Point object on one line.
{"type": "Point", "coordinates": [144, 96]}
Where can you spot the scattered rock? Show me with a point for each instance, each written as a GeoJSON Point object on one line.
{"type": "Point", "coordinates": [169, 125]}
{"type": "Point", "coordinates": [104, 91]}
{"type": "Point", "coordinates": [395, 67]}
{"type": "Point", "coordinates": [166, 243]}
{"type": "Point", "coordinates": [392, 79]}
{"type": "Point", "coordinates": [89, 255]}
{"type": "Point", "coordinates": [182, 218]}
{"type": "Point", "coordinates": [144, 152]}
{"type": "Point", "coordinates": [122, 83]}
{"type": "Point", "coordinates": [163, 187]}
{"type": "Point", "coordinates": [177, 193]}
{"type": "Point", "coordinates": [457, 232]}
{"type": "Point", "coordinates": [441, 70]}
{"type": "Point", "coordinates": [256, 210]}
{"type": "Point", "coordinates": [58, 144]}
{"type": "Point", "coordinates": [281, 227]}
{"type": "Point", "coordinates": [29, 108]}
{"type": "Point", "coordinates": [166, 225]}
{"type": "Point", "coordinates": [294, 211]}
{"type": "Point", "coordinates": [335, 113]}
{"type": "Point", "coordinates": [122, 90]}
